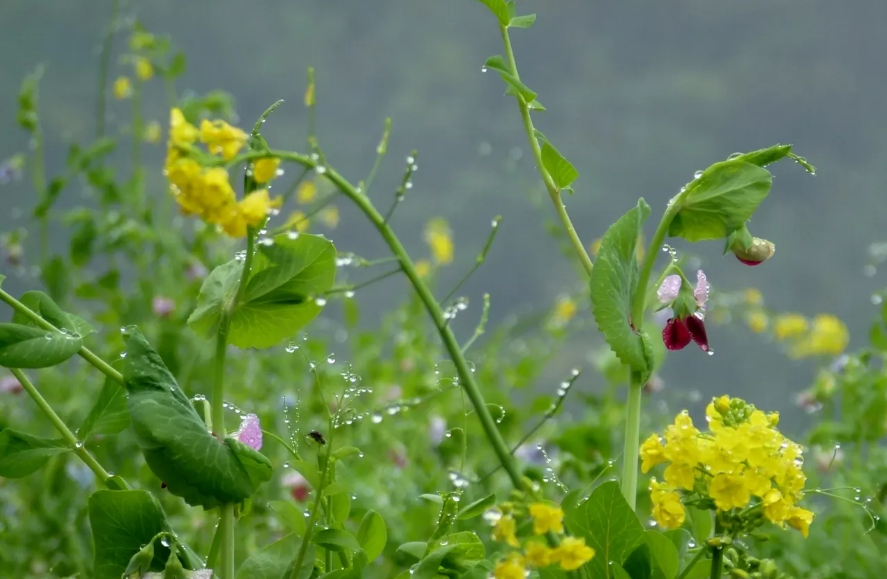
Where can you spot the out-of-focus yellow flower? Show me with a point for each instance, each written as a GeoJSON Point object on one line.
{"type": "Point", "coordinates": [564, 310]}
{"type": "Point", "coordinates": [758, 321]}
{"type": "Point", "coordinates": [729, 491]}
{"type": "Point", "coordinates": [221, 138]}
{"type": "Point", "coordinates": [423, 267]}
{"type": "Point", "coordinates": [439, 239]}
{"type": "Point", "coordinates": [504, 531]}
{"type": "Point", "coordinates": [181, 132]}
{"type": "Point", "coordinates": [668, 511]}
{"type": "Point", "coordinates": [752, 296]}
{"type": "Point", "coordinates": [652, 453]}
{"type": "Point", "coordinates": [122, 88]}
{"type": "Point", "coordinates": [595, 246]}
{"type": "Point", "coordinates": [572, 553]}
{"type": "Point", "coordinates": [538, 554]}
{"type": "Point", "coordinates": [800, 519]}
{"type": "Point", "coordinates": [298, 221]}
{"type": "Point", "coordinates": [510, 568]}
{"type": "Point", "coordinates": [144, 68]}
{"type": "Point", "coordinates": [776, 510]}
{"type": "Point", "coordinates": [546, 518]}
{"type": "Point", "coordinates": [790, 326]}
{"type": "Point", "coordinates": [252, 211]}
{"type": "Point", "coordinates": [827, 336]}
{"type": "Point", "coordinates": [306, 193]}
{"type": "Point", "coordinates": [329, 216]}
{"type": "Point", "coordinates": [265, 170]}
{"type": "Point", "coordinates": [152, 132]}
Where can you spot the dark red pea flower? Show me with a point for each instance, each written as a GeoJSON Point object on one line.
{"type": "Point", "coordinates": [678, 333]}
{"type": "Point", "coordinates": [684, 327]}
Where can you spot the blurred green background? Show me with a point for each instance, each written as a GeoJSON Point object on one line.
{"type": "Point", "coordinates": [639, 96]}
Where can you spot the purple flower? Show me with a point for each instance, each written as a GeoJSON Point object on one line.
{"type": "Point", "coordinates": [668, 291]}
{"type": "Point", "coordinates": [10, 385]}
{"type": "Point", "coordinates": [196, 271]}
{"type": "Point", "coordinates": [250, 433]}
{"type": "Point", "coordinates": [437, 429]}
{"type": "Point", "coordinates": [162, 306]}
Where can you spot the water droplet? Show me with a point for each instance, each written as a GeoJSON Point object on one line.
{"type": "Point", "coordinates": [697, 174]}
{"type": "Point", "coordinates": [483, 69]}
{"type": "Point", "coordinates": [331, 359]}
{"type": "Point", "coordinates": [48, 335]}
{"type": "Point", "coordinates": [292, 347]}
{"type": "Point", "coordinates": [734, 156]}
{"type": "Point", "coordinates": [292, 234]}
{"type": "Point", "coordinates": [123, 354]}
{"type": "Point", "coordinates": [410, 159]}
{"type": "Point", "coordinates": [876, 299]}
{"type": "Point", "coordinates": [266, 241]}
{"type": "Point", "coordinates": [320, 301]}
{"type": "Point", "coordinates": [164, 541]}
{"type": "Point", "coordinates": [376, 419]}
{"type": "Point", "coordinates": [349, 294]}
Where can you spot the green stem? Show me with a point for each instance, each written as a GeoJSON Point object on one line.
{"type": "Point", "coordinates": [77, 446]}
{"type": "Point", "coordinates": [104, 63]}
{"type": "Point", "coordinates": [632, 439]}
{"type": "Point", "coordinates": [466, 376]}
{"type": "Point", "coordinates": [553, 190]}
{"type": "Point", "coordinates": [692, 563]}
{"type": "Point", "coordinates": [38, 174]}
{"type": "Point", "coordinates": [312, 519]}
{"type": "Point", "coordinates": [84, 352]}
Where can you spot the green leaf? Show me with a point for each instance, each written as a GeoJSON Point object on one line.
{"type": "Point", "coordinates": [413, 551]}
{"type": "Point", "coordinates": [609, 526]}
{"type": "Point", "coordinates": [290, 515]}
{"type": "Point", "coordinates": [346, 451]}
{"type": "Point", "coordinates": [664, 554]}
{"type": "Point", "coordinates": [701, 570]}
{"type": "Point", "coordinates": [499, 8]}
{"type": "Point", "coordinates": [372, 535]}
{"type": "Point", "coordinates": [536, 106]}
{"type": "Point", "coordinates": [42, 305]}
{"type": "Point", "coordinates": [277, 560]}
{"type": "Point", "coordinates": [109, 414]}
{"type": "Point", "coordinates": [177, 66]}
{"type": "Point", "coordinates": [122, 523]}
{"type": "Point", "coordinates": [22, 454]}
{"type": "Point", "coordinates": [701, 521]}
{"type": "Point", "coordinates": [55, 276]}
{"type": "Point", "coordinates": [336, 540]}
{"type": "Point", "coordinates": [721, 200]}
{"type": "Point", "coordinates": [515, 86]}
{"type": "Point", "coordinates": [280, 297]}
{"type": "Point", "coordinates": [680, 538]}
{"type": "Point", "coordinates": [340, 507]}
{"type": "Point", "coordinates": [522, 21]}
{"type": "Point", "coordinates": [82, 242]}
{"type": "Point", "coordinates": [194, 464]}
{"type": "Point", "coordinates": [28, 347]}
{"type": "Point", "coordinates": [562, 171]}
{"type": "Point", "coordinates": [639, 564]}
{"type": "Point", "coordinates": [477, 507]}
{"type": "Point", "coordinates": [446, 517]}
{"type": "Point", "coordinates": [619, 573]}
{"type": "Point", "coordinates": [614, 281]}
{"type": "Point", "coordinates": [467, 548]}
{"type": "Point", "coordinates": [309, 471]}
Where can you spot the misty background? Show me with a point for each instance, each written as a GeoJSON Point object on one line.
{"type": "Point", "coordinates": [639, 96]}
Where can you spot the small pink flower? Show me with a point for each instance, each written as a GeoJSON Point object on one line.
{"type": "Point", "coordinates": [196, 271]}
{"type": "Point", "coordinates": [668, 291]}
{"type": "Point", "coordinates": [684, 326]}
{"type": "Point", "coordinates": [654, 384]}
{"type": "Point", "coordinates": [702, 289]}
{"type": "Point", "coordinates": [250, 433]}
{"type": "Point", "coordinates": [297, 485]}
{"type": "Point", "coordinates": [436, 429]}
{"type": "Point", "coordinates": [162, 306]}
{"type": "Point", "coordinates": [398, 457]}
{"type": "Point", "coordinates": [10, 385]}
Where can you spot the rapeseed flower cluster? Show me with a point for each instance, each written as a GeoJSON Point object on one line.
{"type": "Point", "coordinates": [207, 192]}
{"type": "Point", "coordinates": [742, 468]}
{"type": "Point", "coordinates": [570, 554]}
{"type": "Point", "coordinates": [440, 240]}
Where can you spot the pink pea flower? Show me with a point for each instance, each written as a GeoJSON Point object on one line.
{"type": "Point", "coordinates": [162, 306]}
{"type": "Point", "coordinates": [196, 271]}
{"type": "Point", "coordinates": [297, 485]}
{"type": "Point", "coordinates": [684, 325]}
{"type": "Point", "coordinates": [10, 385]}
{"type": "Point", "coordinates": [250, 433]}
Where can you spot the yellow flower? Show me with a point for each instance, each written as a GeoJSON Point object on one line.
{"type": "Point", "coordinates": [329, 216]}
{"type": "Point", "coordinates": [800, 519]}
{"type": "Point", "coordinates": [438, 237]}
{"type": "Point", "coordinates": [144, 69]}
{"type": "Point", "coordinates": [681, 475]}
{"type": "Point", "coordinates": [790, 326]}
{"type": "Point", "coordinates": [216, 196]}
{"type": "Point", "coordinates": [504, 531]}
{"type": "Point", "coordinates": [265, 169]}
{"type": "Point", "coordinates": [306, 193]}
{"type": "Point", "coordinates": [423, 267]}
{"type": "Point", "coordinates": [652, 453]}
{"type": "Point", "coordinates": [828, 336]}
{"type": "Point", "coordinates": [122, 88]}
{"type": "Point", "coordinates": [152, 132]}
{"type": "Point", "coordinates": [298, 221]}
{"type": "Point", "coordinates": [537, 554]}
{"type": "Point", "coordinates": [776, 509]}
{"type": "Point", "coordinates": [752, 296]}
{"type": "Point", "coordinates": [572, 553]}
{"type": "Point", "coordinates": [546, 518]}
{"type": "Point", "coordinates": [758, 322]}
{"type": "Point", "coordinates": [221, 138]}
{"type": "Point", "coordinates": [510, 568]}
{"type": "Point", "coordinates": [256, 207]}
{"type": "Point", "coordinates": [595, 246]}
{"type": "Point", "coordinates": [667, 509]}
{"type": "Point", "coordinates": [181, 132]}
{"type": "Point", "coordinates": [565, 309]}
{"type": "Point", "coordinates": [729, 491]}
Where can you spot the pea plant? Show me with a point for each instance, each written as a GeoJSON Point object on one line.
{"type": "Point", "coordinates": [439, 488]}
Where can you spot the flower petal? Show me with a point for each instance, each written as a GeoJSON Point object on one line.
{"type": "Point", "coordinates": [668, 291]}
{"type": "Point", "coordinates": [749, 262]}
{"type": "Point", "coordinates": [676, 335]}
{"type": "Point", "coordinates": [702, 289]}
{"type": "Point", "coordinates": [250, 433]}
{"type": "Point", "coordinates": [696, 328]}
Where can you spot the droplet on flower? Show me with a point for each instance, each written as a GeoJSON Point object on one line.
{"type": "Point", "coordinates": [669, 289]}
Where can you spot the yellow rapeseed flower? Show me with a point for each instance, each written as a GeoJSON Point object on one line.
{"type": "Point", "coordinates": [122, 88]}
{"type": "Point", "coordinates": [776, 510]}
{"type": "Point", "coordinates": [152, 132]}
{"type": "Point", "coordinates": [251, 211]}
{"type": "Point", "coordinates": [758, 321]}
{"type": "Point", "coordinates": [800, 519]}
{"type": "Point", "coordinates": [538, 554]}
{"type": "Point", "coordinates": [565, 309]}
{"type": "Point", "coordinates": [510, 568]}
{"type": "Point", "coordinates": [265, 170]}
{"type": "Point", "coordinates": [752, 296]}
{"type": "Point", "coordinates": [144, 68]}
{"type": "Point", "coordinates": [329, 216]}
{"type": "Point", "coordinates": [668, 511]}
{"type": "Point", "coordinates": [439, 239]}
{"type": "Point", "coordinates": [790, 326]}
{"type": "Point", "coordinates": [573, 553]}
{"type": "Point", "coordinates": [221, 138]}
{"type": "Point", "coordinates": [546, 518]}
{"type": "Point", "coordinates": [828, 336]}
{"type": "Point", "coordinates": [729, 491]}
{"type": "Point", "coordinates": [306, 193]}
{"type": "Point", "coordinates": [298, 221]}
{"type": "Point", "coordinates": [423, 267]}
{"type": "Point", "coordinates": [181, 132]}
{"type": "Point", "coordinates": [504, 531]}
{"type": "Point", "coordinates": [595, 246]}
{"type": "Point", "coordinates": [652, 453]}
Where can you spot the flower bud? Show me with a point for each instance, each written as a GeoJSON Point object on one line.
{"type": "Point", "coordinates": [758, 252]}
{"type": "Point", "coordinates": [768, 569]}
{"type": "Point", "coordinates": [140, 562]}
{"type": "Point", "coordinates": [174, 569]}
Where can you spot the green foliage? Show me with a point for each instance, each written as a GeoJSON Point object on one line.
{"type": "Point", "coordinates": [109, 414]}
{"type": "Point", "coordinates": [22, 454]}
{"type": "Point", "coordinates": [613, 286]}
{"type": "Point", "coordinates": [27, 347]}
{"type": "Point", "coordinates": [562, 171]}
{"type": "Point", "coordinates": [276, 561]}
{"type": "Point", "coordinates": [372, 535]}
{"type": "Point", "coordinates": [193, 463]}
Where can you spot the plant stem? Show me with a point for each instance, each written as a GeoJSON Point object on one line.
{"type": "Point", "coordinates": [312, 519]}
{"type": "Point", "coordinates": [84, 352]}
{"type": "Point", "coordinates": [553, 190]}
{"type": "Point", "coordinates": [632, 438]}
{"type": "Point", "coordinates": [104, 63]}
{"type": "Point", "coordinates": [466, 376]}
{"type": "Point", "coordinates": [77, 446]}
{"type": "Point", "coordinates": [717, 562]}
{"type": "Point", "coordinates": [692, 563]}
